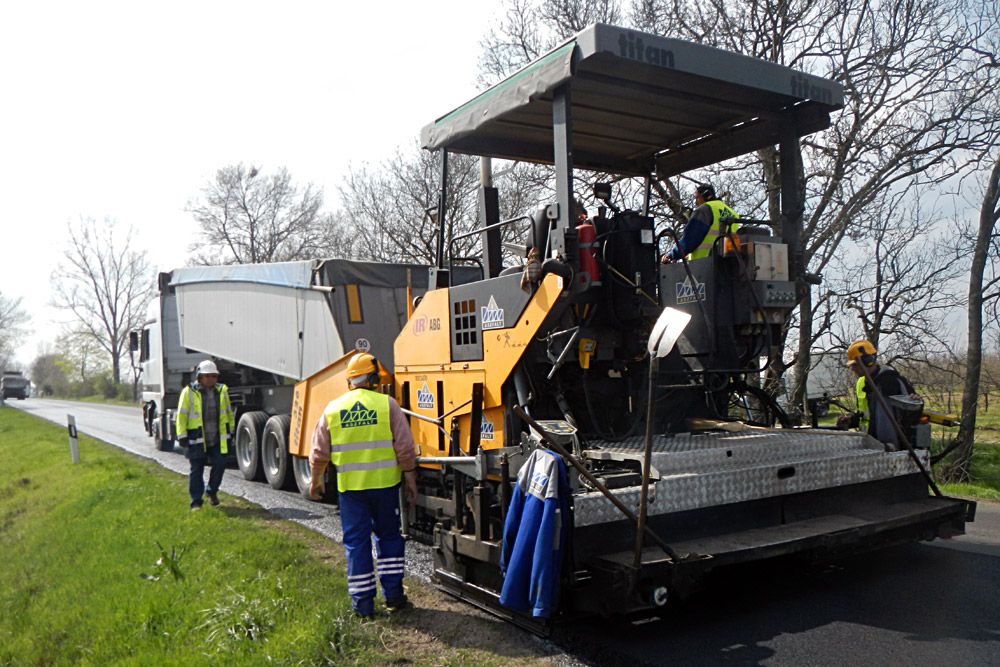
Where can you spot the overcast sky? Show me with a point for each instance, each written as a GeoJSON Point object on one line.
{"type": "Point", "coordinates": [126, 109]}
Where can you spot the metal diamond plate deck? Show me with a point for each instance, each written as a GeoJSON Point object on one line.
{"type": "Point", "coordinates": [710, 469]}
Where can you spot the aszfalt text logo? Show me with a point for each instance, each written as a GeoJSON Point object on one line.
{"type": "Point", "coordinates": [491, 315]}
{"type": "Point", "coordinates": [358, 415]}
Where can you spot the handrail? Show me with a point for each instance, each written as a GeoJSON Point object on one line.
{"type": "Point", "coordinates": [480, 230]}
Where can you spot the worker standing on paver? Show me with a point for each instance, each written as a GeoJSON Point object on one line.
{"type": "Point", "coordinates": [205, 421]}
{"type": "Point", "coordinates": [711, 219]}
{"type": "Point", "coordinates": [366, 436]}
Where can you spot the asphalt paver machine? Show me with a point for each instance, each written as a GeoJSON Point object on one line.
{"type": "Point", "coordinates": [553, 350]}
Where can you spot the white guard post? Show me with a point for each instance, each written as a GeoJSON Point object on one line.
{"type": "Point", "coordinates": [74, 447]}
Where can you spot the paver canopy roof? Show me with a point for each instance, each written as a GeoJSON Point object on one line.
{"type": "Point", "coordinates": [639, 103]}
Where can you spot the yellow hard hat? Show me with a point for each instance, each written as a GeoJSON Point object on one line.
{"type": "Point", "coordinates": [361, 365]}
{"type": "Point", "coordinates": [861, 350]}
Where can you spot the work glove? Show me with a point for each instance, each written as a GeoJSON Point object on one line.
{"type": "Point", "coordinates": [848, 421]}
{"type": "Point", "coordinates": [183, 442]}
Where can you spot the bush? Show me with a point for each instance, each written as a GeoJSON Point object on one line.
{"type": "Point", "coordinates": [104, 386]}
{"type": "Point", "coordinates": [123, 392]}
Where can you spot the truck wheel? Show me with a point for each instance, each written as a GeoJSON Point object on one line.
{"type": "Point", "coordinates": [277, 462]}
{"type": "Point", "coordinates": [150, 418]}
{"type": "Point", "coordinates": [162, 444]}
{"type": "Point", "coordinates": [300, 468]}
{"type": "Point", "coordinates": [248, 437]}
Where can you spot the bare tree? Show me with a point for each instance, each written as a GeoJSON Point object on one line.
{"type": "Point", "coordinates": [528, 28]}
{"type": "Point", "coordinates": [896, 293]}
{"type": "Point", "coordinates": [105, 285]}
{"type": "Point", "coordinates": [984, 286]}
{"type": "Point", "coordinates": [249, 217]}
{"type": "Point", "coordinates": [82, 356]}
{"type": "Point", "coordinates": [13, 320]}
{"type": "Point", "coordinates": [386, 206]}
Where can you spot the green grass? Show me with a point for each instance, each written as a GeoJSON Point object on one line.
{"type": "Point", "coordinates": [84, 581]}
{"type": "Point", "coordinates": [984, 476]}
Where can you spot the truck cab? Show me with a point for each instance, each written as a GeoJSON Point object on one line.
{"type": "Point", "coordinates": [13, 384]}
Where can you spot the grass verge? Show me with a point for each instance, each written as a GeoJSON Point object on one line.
{"type": "Point", "coordinates": [984, 475]}
{"type": "Point", "coordinates": [104, 564]}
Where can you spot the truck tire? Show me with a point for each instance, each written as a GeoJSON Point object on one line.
{"type": "Point", "coordinates": [149, 418]}
{"type": "Point", "coordinates": [162, 444]}
{"type": "Point", "coordinates": [275, 459]}
{"type": "Point", "coordinates": [301, 473]}
{"type": "Point", "coordinates": [248, 437]}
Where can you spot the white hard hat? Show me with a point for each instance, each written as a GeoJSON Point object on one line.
{"type": "Point", "coordinates": [207, 367]}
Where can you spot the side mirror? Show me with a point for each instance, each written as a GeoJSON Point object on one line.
{"type": "Point", "coordinates": [602, 192]}
{"type": "Point", "coordinates": [133, 341]}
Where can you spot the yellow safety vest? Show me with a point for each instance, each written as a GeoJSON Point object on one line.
{"type": "Point", "coordinates": [190, 421]}
{"type": "Point", "coordinates": [361, 441]}
{"type": "Point", "coordinates": [721, 215]}
{"type": "Point", "coordinates": [859, 391]}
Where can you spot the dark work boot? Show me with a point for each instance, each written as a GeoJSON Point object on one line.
{"type": "Point", "coordinates": [397, 604]}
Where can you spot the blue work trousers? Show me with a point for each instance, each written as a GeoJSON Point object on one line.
{"type": "Point", "coordinates": [361, 513]}
{"type": "Point", "coordinates": [196, 479]}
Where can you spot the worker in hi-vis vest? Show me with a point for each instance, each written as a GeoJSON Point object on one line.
{"type": "Point", "coordinates": [710, 220]}
{"type": "Point", "coordinates": [870, 417]}
{"type": "Point", "coordinates": [366, 437]}
{"type": "Point", "coordinates": [205, 421]}
{"type": "Point", "coordinates": [859, 418]}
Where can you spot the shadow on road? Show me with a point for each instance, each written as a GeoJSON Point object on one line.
{"type": "Point", "coordinates": [295, 513]}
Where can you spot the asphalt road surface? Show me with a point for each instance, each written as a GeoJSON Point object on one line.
{"type": "Point", "coordinates": [924, 604]}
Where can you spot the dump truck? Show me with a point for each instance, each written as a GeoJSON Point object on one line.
{"type": "Point", "coordinates": [266, 326]}
{"type": "Point", "coordinates": [642, 377]}
{"type": "Point", "coordinates": [13, 384]}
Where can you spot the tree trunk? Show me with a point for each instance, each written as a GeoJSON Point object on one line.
{"type": "Point", "coordinates": [802, 358]}
{"type": "Point", "coordinates": [988, 215]}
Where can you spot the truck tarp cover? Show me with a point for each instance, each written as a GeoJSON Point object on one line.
{"type": "Point", "coordinates": [639, 102]}
{"type": "Point", "coordinates": [330, 272]}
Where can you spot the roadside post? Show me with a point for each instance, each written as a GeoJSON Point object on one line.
{"type": "Point", "coordinates": [74, 447]}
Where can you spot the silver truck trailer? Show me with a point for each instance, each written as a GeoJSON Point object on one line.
{"type": "Point", "coordinates": [267, 326]}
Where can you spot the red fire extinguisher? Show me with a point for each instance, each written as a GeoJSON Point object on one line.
{"type": "Point", "coordinates": [586, 237]}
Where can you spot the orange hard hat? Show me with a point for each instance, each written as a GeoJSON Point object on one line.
{"type": "Point", "coordinates": [861, 350]}
{"type": "Point", "coordinates": [361, 365]}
